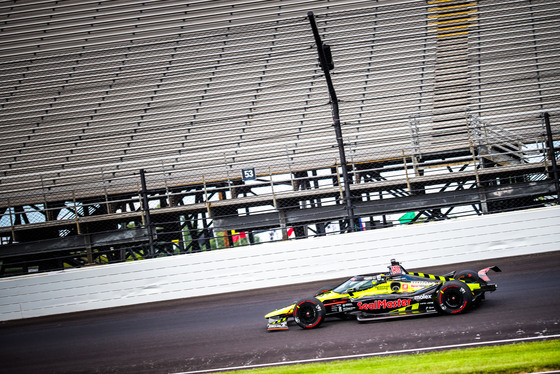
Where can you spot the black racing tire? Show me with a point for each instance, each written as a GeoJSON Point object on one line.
{"type": "Point", "coordinates": [468, 276]}
{"type": "Point", "coordinates": [454, 297]}
{"type": "Point", "coordinates": [309, 313]}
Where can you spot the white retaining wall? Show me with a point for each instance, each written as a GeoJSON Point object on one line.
{"type": "Point", "coordinates": [280, 263]}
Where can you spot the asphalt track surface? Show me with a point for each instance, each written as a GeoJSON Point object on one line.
{"type": "Point", "coordinates": [230, 331]}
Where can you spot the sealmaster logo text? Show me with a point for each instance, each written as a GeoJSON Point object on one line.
{"type": "Point", "coordinates": [384, 304]}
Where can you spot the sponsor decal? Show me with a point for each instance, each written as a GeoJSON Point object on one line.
{"type": "Point", "coordinates": [422, 297]}
{"type": "Point", "coordinates": [342, 307]}
{"type": "Point", "coordinates": [384, 304]}
{"type": "Point", "coordinates": [421, 284]}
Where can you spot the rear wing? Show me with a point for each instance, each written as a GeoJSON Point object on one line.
{"type": "Point", "coordinates": [482, 274]}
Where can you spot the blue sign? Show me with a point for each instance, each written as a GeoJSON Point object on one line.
{"type": "Point", "coordinates": [248, 174]}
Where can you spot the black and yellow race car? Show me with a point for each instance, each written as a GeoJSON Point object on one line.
{"type": "Point", "coordinates": [384, 295]}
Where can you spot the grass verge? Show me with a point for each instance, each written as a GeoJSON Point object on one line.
{"type": "Point", "coordinates": [503, 359]}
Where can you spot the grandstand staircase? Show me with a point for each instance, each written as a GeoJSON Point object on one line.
{"type": "Point", "coordinates": [495, 144]}
{"type": "Point", "coordinates": [450, 22]}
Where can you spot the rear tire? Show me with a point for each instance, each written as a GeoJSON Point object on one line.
{"type": "Point", "coordinates": [454, 297]}
{"type": "Point", "coordinates": [468, 276]}
{"type": "Point", "coordinates": [309, 313]}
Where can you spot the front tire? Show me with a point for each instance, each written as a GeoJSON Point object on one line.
{"type": "Point", "coordinates": [454, 297]}
{"type": "Point", "coordinates": [309, 313]}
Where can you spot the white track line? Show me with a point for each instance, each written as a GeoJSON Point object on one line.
{"type": "Point", "coordinates": [312, 360]}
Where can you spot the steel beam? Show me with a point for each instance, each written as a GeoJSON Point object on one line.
{"type": "Point", "coordinates": [75, 242]}
{"type": "Point", "coordinates": [386, 206]}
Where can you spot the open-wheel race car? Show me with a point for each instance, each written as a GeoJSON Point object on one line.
{"type": "Point", "coordinates": [393, 294]}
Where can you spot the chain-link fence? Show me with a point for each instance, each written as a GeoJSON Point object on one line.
{"type": "Point", "coordinates": [173, 137]}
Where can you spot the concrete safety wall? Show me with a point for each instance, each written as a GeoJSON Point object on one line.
{"type": "Point", "coordinates": [280, 263]}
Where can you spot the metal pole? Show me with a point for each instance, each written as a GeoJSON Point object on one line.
{"type": "Point", "coordinates": [146, 208]}
{"type": "Point", "coordinates": [552, 153]}
{"type": "Point", "coordinates": [336, 120]}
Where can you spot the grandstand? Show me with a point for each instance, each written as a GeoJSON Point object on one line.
{"type": "Point", "coordinates": [442, 105]}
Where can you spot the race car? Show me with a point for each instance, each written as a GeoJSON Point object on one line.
{"type": "Point", "coordinates": [396, 293]}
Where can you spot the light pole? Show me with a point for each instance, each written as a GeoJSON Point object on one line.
{"type": "Point", "coordinates": [326, 63]}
